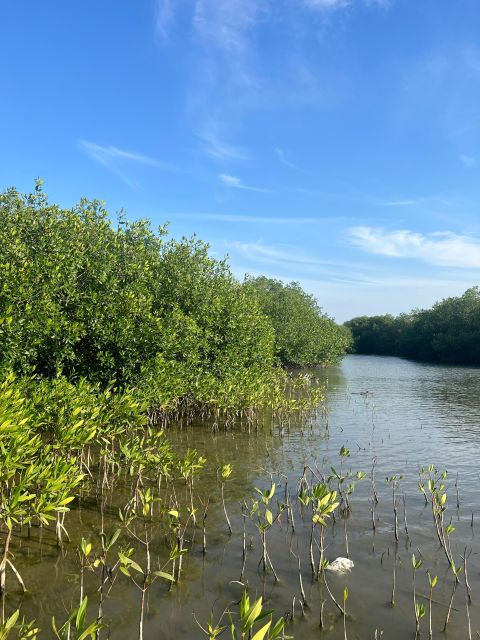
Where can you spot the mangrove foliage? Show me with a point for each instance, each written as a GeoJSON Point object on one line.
{"type": "Point", "coordinates": [304, 334]}
{"type": "Point", "coordinates": [86, 298]}
{"type": "Point", "coordinates": [449, 332]}
{"type": "Point", "coordinates": [109, 333]}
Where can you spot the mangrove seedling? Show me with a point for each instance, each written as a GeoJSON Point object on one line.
{"type": "Point", "coordinates": [242, 624]}
{"type": "Point", "coordinates": [264, 522]}
{"type": "Point", "coordinates": [250, 614]}
{"type": "Point", "coordinates": [226, 472]}
{"type": "Point", "coordinates": [456, 571]}
{"type": "Point", "coordinates": [345, 597]}
{"type": "Point", "coordinates": [25, 630]}
{"type": "Point", "coordinates": [416, 564]}
{"type": "Point", "coordinates": [433, 584]}
{"type": "Point", "coordinates": [393, 482]}
{"type": "Point", "coordinates": [107, 571]}
{"type": "Point", "coordinates": [189, 466]}
{"type": "Point", "coordinates": [142, 577]}
{"type": "Point", "coordinates": [324, 504]}
{"type": "Point", "coordinates": [419, 613]}
{"type": "Point", "coordinates": [76, 627]}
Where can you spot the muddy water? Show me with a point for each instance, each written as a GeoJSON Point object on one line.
{"type": "Point", "coordinates": [400, 414]}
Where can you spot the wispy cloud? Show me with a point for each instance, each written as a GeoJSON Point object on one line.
{"type": "Point", "coordinates": [216, 148]}
{"type": "Point", "coordinates": [229, 74]}
{"type": "Point", "coordinates": [327, 5]}
{"type": "Point", "coordinates": [260, 220]}
{"type": "Point", "coordinates": [468, 161]}
{"type": "Point", "coordinates": [164, 15]}
{"type": "Point", "coordinates": [224, 74]}
{"type": "Point", "coordinates": [370, 294]}
{"type": "Point", "coordinates": [334, 5]}
{"type": "Point", "coordinates": [226, 23]}
{"type": "Point", "coordinates": [295, 260]}
{"type": "Point", "coordinates": [434, 200]}
{"type": "Point", "coordinates": [261, 252]}
{"type": "Point", "coordinates": [113, 158]}
{"type": "Point", "coordinates": [445, 84]}
{"type": "Point", "coordinates": [234, 182]}
{"type": "Point", "coordinates": [106, 155]}
{"type": "Point", "coordinates": [399, 203]}
{"type": "Point", "coordinates": [445, 249]}
{"type": "Point", "coordinates": [283, 158]}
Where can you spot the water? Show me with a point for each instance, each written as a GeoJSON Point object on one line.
{"type": "Point", "coordinates": [400, 414]}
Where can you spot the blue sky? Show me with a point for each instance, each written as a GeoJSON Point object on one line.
{"type": "Point", "coordinates": [332, 142]}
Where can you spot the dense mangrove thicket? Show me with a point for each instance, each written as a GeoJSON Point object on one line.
{"type": "Point", "coordinates": [449, 332]}
{"type": "Point", "coordinates": [304, 335]}
{"type": "Point", "coordinates": [84, 298]}
{"type": "Point", "coordinates": [108, 334]}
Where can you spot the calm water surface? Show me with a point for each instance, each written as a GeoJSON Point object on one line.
{"type": "Point", "coordinates": [413, 415]}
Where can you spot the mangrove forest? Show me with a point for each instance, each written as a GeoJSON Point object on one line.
{"type": "Point", "coordinates": [449, 332]}
{"type": "Point", "coordinates": [110, 334]}
{"type": "Point", "coordinates": [187, 455]}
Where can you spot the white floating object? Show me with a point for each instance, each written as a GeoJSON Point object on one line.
{"type": "Point", "coordinates": [340, 565]}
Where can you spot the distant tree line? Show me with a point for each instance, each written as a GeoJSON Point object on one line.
{"type": "Point", "coordinates": [83, 297]}
{"type": "Point", "coordinates": [449, 332]}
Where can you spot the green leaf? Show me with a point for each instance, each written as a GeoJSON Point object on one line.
{"type": "Point", "coordinates": [81, 612]}
{"type": "Point", "coordinates": [166, 576]}
{"type": "Point", "coordinates": [252, 615]}
{"type": "Point", "coordinates": [261, 633]}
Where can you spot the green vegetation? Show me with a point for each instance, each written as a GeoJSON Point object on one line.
{"type": "Point", "coordinates": [449, 332]}
{"type": "Point", "coordinates": [304, 335]}
{"type": "Point", "coordinates": [142, 507]}
{"type": "Point", "coordinates": [86, 299]}
{"type": "Point", "coordinates": [108, 333]}
{"type": "Point", "coordinates": [61, 443]}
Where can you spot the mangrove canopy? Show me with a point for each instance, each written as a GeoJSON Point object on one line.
{"type": "Point", "coordinates": [449, 332]}
{"type": "Point", "coordinates": [86, 298]}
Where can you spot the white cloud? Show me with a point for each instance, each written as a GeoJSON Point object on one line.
{"type": "Point", "coordinates": [234, 182]}
{"type": "Point", "coordinates": [112, 157]}
{"type": "Point", "coordinates": [214, 147]}
{"type": "Point", "coordinates": [258, 251]}
{"type": "Point", "coordinates": [228, 74]}
{"type": "Point", "coordinates": [432, 201]}
{"type": "Point", "coordinates": [444, 249]}
{"type": "Point", "coordinates": [230, 181]}
{"type": "Point", "coordinates": [399, 203]}
{"type": "Point", "coordinates": [105, 155]}
{"type": "Point", "coordinates": [284, 255]}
